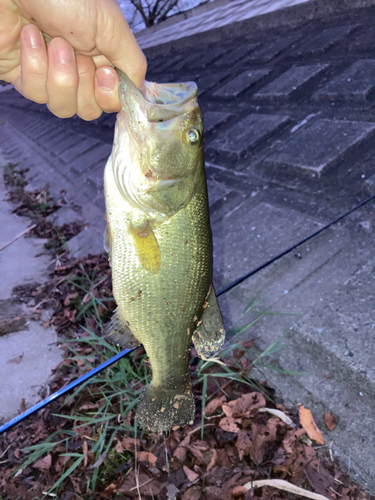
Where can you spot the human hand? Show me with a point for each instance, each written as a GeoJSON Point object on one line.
{"type": "Point", "coordinates": [73, 74]}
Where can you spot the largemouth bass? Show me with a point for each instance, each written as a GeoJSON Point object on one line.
{"type": "Point", "coordinates": [159, 243]}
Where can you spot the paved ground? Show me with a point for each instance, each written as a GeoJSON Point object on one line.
{"type": "Point", "coordinates": [289, 145]}
{"type": "Point", "coordinates": [28, 352]}
{"type": "Point", "coordinates": [231, 12]}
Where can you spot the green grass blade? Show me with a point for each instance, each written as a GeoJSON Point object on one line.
{"type": "Point", "coordinates": [204, 395]}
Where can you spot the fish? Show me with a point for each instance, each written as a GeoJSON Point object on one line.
{"type": "Point", "coordinates": [159, 242]}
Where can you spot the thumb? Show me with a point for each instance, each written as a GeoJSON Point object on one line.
{"type": "Point", "coordinates": [115, 40]}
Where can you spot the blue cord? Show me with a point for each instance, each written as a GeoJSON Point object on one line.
{"type": "Point", "coordinates": [62, 391]}
{"type": "Point", "coordinates": [101, 367]}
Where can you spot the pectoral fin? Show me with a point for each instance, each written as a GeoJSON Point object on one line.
{"type": "Point", "coordinates": [118, 332]}
{"type": "Point", "coordinates": [209, 335]}
{"type": "Point", "coordinates": [147, 247]}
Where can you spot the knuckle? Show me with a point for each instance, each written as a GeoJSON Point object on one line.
{"type": "Point", "coordinates": [62, 112]}
{"type": "Point", "coordinates": [38, 96]}
{"type": "Point", "coordinates": [90, 114]}
{"type": "Point", "coordinates": [64, 81]}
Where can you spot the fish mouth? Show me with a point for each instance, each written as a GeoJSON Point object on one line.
{"type": "Point", "coordinates": [160, 101]}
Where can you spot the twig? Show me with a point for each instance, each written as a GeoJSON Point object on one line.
{"type": "Point", "coordinates": [198, 428]}
{"type": "Point", "coordinates": [214, 416]}
{"type": "Point", "coordinates": [38, 305]}
{"type": "Point", "coordinates": [330, 451]}
{"type": "Point", "coordinates": [2, 247]}
{"type": "Point", "coordinates": [335, 492]}
{"type": "Point", "coordinates": [140, 485]}
{"type": "Point", "coordinates": [86, 297]}
{"type": "Point", "coordinates": [6, 449]}
{"type": "Point", "coordinates": [285, 486]}
{"type": "Point", "coordinates": [166, 455]}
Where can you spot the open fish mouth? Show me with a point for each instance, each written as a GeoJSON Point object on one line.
{"type": "Point", "coordinates": [161, 102]}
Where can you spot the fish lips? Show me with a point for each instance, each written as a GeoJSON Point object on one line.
{"type": "Point", "coordinates": [158, 102]}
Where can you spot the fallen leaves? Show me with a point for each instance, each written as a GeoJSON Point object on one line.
{"type": "Point", "coordinates": [43, 464]}
{"type": "Point", "coordinates": [191, 475]}
{"type": "Point", "coordinates": [229, 424]}
{"type": "Point", "coordinates": [244, 406]}
{"type": "Point", "coordinates": [330, 421]}
{"type": "Point", "coordinates": [146, 456]}
{"type": "Point", "coordinates": [214, 405]}
{"type": "Point", "coordinates": [17, 360]}
{"type": "Point", "coordinates": [308, 423]}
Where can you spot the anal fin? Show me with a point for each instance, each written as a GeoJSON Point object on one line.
{"type": "Point", "coordinates": [118, 332]}
{"type": "Point", "coordinates": [209, 335]}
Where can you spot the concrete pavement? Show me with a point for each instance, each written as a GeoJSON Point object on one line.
{"type": "Point", "coordinates": [28, 351]}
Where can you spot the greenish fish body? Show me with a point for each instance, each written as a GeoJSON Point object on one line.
{"type": "Point", "coordinates": [159, 242]}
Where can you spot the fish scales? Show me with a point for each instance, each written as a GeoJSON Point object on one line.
{"type": "Point", "coordinates": [160, 245]}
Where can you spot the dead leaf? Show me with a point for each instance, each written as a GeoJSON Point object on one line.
{"type": "Point", "coordinates": [290, 439]}
{"type": "Point", "coordinates": [85, 449]}
{"type": "Point", "coordinates": [23, 405]}
{"type": "Point", "coordinates": [146, 456]}
{"type": "Point", "coordinates": [89, 406]}
{"type": "Point", "coordinates": [261, 435]}
{"type": "Point", "coordinates": [320, 480]}
{"type": "Point", "coordinates": [214, 405]}
{"type": "Point", "coordinates": [191, 475]}
{"type": "Point", "coordinates": [119, 447]}
{"type": "Point", "coordinates": [43, 464]}
{"type": "Point", "coordinates": [213, 460]}
{"type": "Point", "coordinates": [17, 453]}
{"type": "Point", "coordinates": [180, 453]}
{"type": "Point", "coordinates": [70, 314]}
{"type": "Point", "coordinates": [247, 344]}
{"type": "Point", "coordinates": [194, 493]}
{"type": "Point", "coordinates": [245, 405]}
{"type": "Point", "coordinates": [230, 424]}
{"type": "Point", "coordinates": [69, 298]}
{"type": "Point", "coordinates": [196, 452]}
{"type": "Point", "coordinates": [109, 491]}
{"type": "Point", "coordinates": [17, 360]}
{"type": "Point", "coordinates": [308, 423]}
{"type": "Point", "coordinates": [330, 421]}
{"type": "Point", "coordinates": [243, 443]}
{"type": "Point", "coordinates": [130, 443]}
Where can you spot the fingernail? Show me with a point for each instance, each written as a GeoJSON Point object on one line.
{"type": "Point", "coordinates": [106, 79]}
{"type": "Point", "coordinates": [62, 52]}
{"type": "Point", "coordinates": [35, 37]}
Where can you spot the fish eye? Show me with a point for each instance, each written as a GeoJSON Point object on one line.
{"type": "Point", "coordinates": [192, 136]}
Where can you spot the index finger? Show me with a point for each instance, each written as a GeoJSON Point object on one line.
{"type": "Point", "coordinates": [115, 40]}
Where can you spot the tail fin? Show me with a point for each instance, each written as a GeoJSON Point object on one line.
{"type": "Point", "coordinates": [161, 410]}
